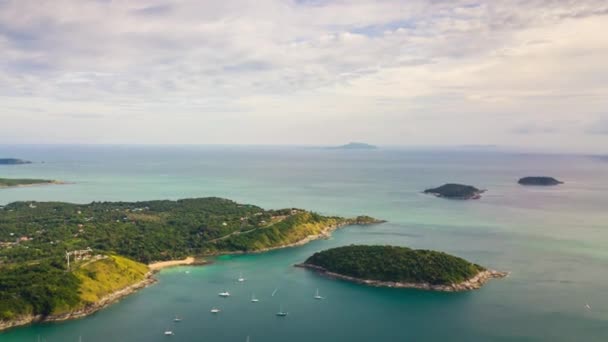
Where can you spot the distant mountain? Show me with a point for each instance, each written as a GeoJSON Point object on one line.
{"type": "Point", "coordinates": [13, 161]}
{"type": "Point", "coordinates": [354, 146]}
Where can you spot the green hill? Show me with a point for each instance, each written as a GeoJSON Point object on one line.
{"type": "Point", "coordinates": [45, 288]}
{"type": "Point", "coordinates": [395, 264]}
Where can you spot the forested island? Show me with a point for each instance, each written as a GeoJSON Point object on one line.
{"type": "Point", "coordinates": [14, 182]}
{"type": "Point", "coordinates": [13, 161]}
{"type": "Point", "coordinates": [456, 191]}
{"type": "Point", "coordinates": [110, 244]}
{"type": "Point", "coordinates": [391, 266]}
{"type": "Point", "coordinates": [539, 181]}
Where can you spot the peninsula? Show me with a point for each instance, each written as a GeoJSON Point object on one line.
{"type": "Point", "coordinates": [539, 181]}
{"type": "Point", "coordinates": [13, 182]}
{"type": "Point", "coordinates": [400, 267]}
{"type": "Point", "coordinates": [115, 247]}
{"type": "Point", "coordinates": [456, 191]}
{"type": "Point", "coordinates": [13, 161]}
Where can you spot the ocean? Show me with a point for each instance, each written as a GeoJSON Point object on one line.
{"type": "Point", "coordinates": [553, 240]}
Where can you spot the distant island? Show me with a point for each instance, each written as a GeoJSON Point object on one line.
{"type": "Point", "coordinates": [400, 267]}
{"type": "Point", "coordinates": [540, 181]}
{"type": "Point", "coordinates": [13, 161]}
{"type": "Point", "coordinates": [116, 246]}
{"type": "Point", "coordinates": [354, 146]}
{"type": "Point", "coordinates": [456, 191]}
{"type": "Point", "coordinates": [16, 182]}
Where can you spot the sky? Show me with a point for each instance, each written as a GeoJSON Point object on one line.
{"type": "Point", "coordinates": [525, 74]}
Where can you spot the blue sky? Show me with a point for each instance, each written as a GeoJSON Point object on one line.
{"type": "Point", "coordinates": [523, 74]}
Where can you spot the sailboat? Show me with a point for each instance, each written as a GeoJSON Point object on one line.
{"type": "Point", "coordinates": [215, 310]}
{"type": "Point", "coordinates": [224, 294]}
{"type": "Point", "coordinates": [241, 279]}
{"type": "Point", "coordinates": [317, 296]}
{"type": "Point", "coordinates": [253, 299]}
{"type": "Point", "coordinates": [281, 313]}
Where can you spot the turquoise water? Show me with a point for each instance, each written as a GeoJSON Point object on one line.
{"type": "Point", "coordinates": [553, 240]}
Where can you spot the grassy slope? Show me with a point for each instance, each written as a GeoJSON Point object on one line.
{"type": "Point", "coordinates": [291, 230]}
{"type": "Point", "coordinates": [102, 277]}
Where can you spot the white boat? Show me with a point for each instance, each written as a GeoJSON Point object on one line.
{"type": "Point", "coordinates": [224, 294]}
{"type": "Point", "coordinates": [281, 313]}
{"type": "Point", "coordinates": [317, 296]}
{"type": "Point", "coordinates": [253, 299]}
{"type": "Point", "coordinates": [215, 310]}
{"type": "Point", "coordinates": [588, 307]}
{"type": "Point", "coordinates": [241, 279]}
{"type": "Point", "coordinates": [168, 332]}
{"type": "Point", "coordinates": [177, 319]}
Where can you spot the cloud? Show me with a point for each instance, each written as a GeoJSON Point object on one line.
{"type": "Point", "coordinates": [599, 126]}
{"type": "Point", "coordinates": [532, 128]}
{"type": "Point", "coordinates": [327, 66]}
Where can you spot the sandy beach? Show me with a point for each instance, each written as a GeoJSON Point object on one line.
{"type": "Point", "coordinates": [155, 266]}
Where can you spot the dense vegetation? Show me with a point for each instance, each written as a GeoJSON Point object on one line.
{"type": "Point", "coordinates": [34, 237]}
{"type": "Point", "coordinates": [13, 161]}
{"type": "Point", "coordinates": [395, 264]}
{"type": "Point", "coordinates": [544, 181]}
{"type": "Point", "coordinates": [455, 191]}
{"type": "Point", "coordinates": [40, 288]}
{"type": "Point", "coordinates": [6, 182]}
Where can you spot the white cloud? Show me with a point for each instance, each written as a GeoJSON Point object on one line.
{"type": "Point", "coordinates": [392, 72]}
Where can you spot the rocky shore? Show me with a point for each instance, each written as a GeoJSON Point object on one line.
{"type": "Point", "coordinates": [472, 284]}
{"type": "Point", "coordinates": [85, 311]}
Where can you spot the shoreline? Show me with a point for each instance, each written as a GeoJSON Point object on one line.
{"type": "Point", "coordinates": [156, 267]}
{"type": "Point", "coordinates": [474, 283]}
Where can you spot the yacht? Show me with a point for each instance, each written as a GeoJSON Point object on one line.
{"type": "Point", "coordinates": [224, 294]}
{"type": "Point", "coordinates": [281, 313]}
{"type": "Point", "coordinates": [317, 296]}
{"type": "Point", "coordinates": [253, 299]}
{"type": "Point", "coordinates": [168, 332]}
{"type": "Point", "coordinates": [215, 310]}
{"type": "Point", "coordinates": [177, 319]}
{"type": "Point", "coordinates": [241, 279]}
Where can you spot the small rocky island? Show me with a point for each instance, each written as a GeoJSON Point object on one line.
{"type": "Point", "coordinates": [400, 267]}
{"type": "Point", "coordinates": [456, 191]}
{"type": "Point", "coordinates": [13, 161]}
{"type": "Point", "coordinates": [539, 181]}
